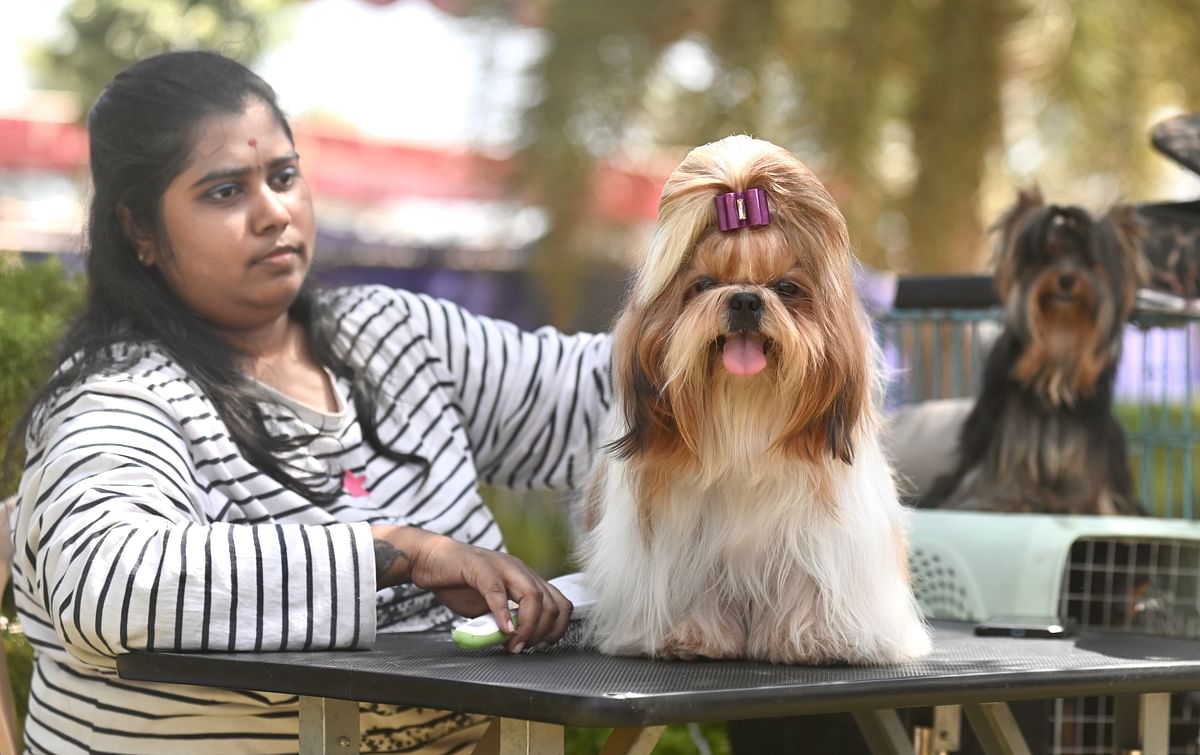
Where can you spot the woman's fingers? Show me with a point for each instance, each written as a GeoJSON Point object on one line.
{"type": "Point", "coordinates": [523, 587]}
{"type": "Point", "coordinates": [552, 618]}
{"type": "Point", "coordinates": [496, 597]}
{"type": "Point", "coordinates": [562, 617]}
{"type": "Point", "coordinates": [500, 578]}
{"type": "Point", "coordinates": [447, 566]}
{"type": "Point", "coordinates": [543, 612]}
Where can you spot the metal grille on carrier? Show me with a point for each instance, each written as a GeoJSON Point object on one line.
{"type": "Point", "coordinates": [1133, 585]}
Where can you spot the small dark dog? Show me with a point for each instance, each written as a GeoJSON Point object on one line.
{"type": "Point", "coordinates": [1042, 436]}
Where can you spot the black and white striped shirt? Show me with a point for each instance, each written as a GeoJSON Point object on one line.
{"type": "Point", "coordinates": [141, 525]}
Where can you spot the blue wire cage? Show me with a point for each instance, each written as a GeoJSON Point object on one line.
{"type": "Point", "coordinates": [936, 339]}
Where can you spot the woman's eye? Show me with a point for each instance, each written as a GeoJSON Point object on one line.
{"type": "Point", "coordinates": [286, 177]}
{"type": "Point", "coordinates": [222, 192]}
{"type": "Point", "coordinates": [786, 288]}
{"type": "Point", "coordinates": [703, 285]}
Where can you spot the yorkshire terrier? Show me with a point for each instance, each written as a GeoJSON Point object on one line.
{"type": "Point", "coordinates": [746, 508]}
{"type": "Point", "coordinates": [1042, 437]}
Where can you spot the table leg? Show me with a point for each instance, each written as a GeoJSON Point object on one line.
{"type": "Point", "coordinates": [620, 742]}
{"type": "Point", "coordinates": [632, 741]}
{"type": "Point", "coordinates": [489, 743]}
{"type": "Point", "coordinates": [883, 731]}
{"type": "Point", "coordinates": [947, 728]}
{"type": "Point", "coordinates": [1142, 724]}
{"type": "Point", "coordinates": [510, 736]}
{"type": "Point", "coordinates": [996, 729]}
{"type": "Point", "coordinates": [328, 726]}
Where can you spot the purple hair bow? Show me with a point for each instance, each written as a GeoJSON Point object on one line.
{"type": "Point", "coordinates": [742, 209]}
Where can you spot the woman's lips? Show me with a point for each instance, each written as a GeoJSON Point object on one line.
{"type": "Point", "coordinates": [279, 255]}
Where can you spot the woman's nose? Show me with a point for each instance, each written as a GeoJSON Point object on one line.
{"type": "Point", "coordinates": [271, 211]}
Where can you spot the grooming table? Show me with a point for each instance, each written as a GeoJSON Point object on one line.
{"type": "Point", "coordinates": [533, 695]}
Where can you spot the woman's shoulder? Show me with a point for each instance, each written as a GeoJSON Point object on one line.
{"type": "Point", "coordinates": [124, 363]}
{"type": "Point", "coordinates": [376, 310]}
{"type": "Point", "coordinates": [135, 379]}
{"type": "Point", "coordinates": [363, 301]}
{"type": "Point", "coordinates": [132, 371]}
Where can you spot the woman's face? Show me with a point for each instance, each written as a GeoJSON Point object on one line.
{"type": "Point", "coordinates": [238, 223]}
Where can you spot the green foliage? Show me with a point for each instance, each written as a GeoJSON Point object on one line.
{"type": "Point", "coordinates": [36, 301]}
{"type": "Point", "coordinates": [536, 528]}
{"type": "Point", "coordinates": [105, 36]}
{"type": "Point", "coordinates": [19, 653]}
{"type": "Point", "coordinates": [676, 740]}
{"type": "Point", "coordinates": [1164, 456]}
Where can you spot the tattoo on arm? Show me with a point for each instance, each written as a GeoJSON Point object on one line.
{"type": "Point", "coordinates": [386, 556]}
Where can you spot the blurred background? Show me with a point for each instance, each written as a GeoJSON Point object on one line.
{"type": "Point", "coordinates": [509, 154]}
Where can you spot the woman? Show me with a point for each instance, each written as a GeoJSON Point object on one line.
{"type": "Point", "coordinates": [227, 460]}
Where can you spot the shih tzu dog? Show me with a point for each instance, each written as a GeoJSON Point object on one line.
{"type": "Point", "coordinates": [1042, 437]}
{"type": "Point", "coordinates": [746, 509]}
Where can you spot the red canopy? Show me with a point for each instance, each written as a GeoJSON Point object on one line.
{"type": "Point", "coordinates": [344, 166]}
{"type": "Point", "coordinates": [41, 146]}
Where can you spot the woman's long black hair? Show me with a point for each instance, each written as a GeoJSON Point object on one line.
{"type": "Point", "coordinates": [141, 133]}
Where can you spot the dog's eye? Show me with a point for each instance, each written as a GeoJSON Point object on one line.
{"type": "Point", "coordinates": [786, 288]}
{"type": "Point", "coordinates": [704, 284]}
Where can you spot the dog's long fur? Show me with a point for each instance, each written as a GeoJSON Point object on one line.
{"type": "Point", "coordinates": [747, 516]}
{"type": "Point", "coordinates": [1042, 436]}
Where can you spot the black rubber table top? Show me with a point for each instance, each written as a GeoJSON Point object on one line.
{"type": "Point", "coordinates": [571, 685]}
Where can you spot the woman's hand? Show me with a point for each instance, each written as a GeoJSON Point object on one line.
{"type": "Point", "coordinates": [473, 581]}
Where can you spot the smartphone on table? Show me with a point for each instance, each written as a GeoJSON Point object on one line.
{"type": "Point", "coordinates": [1026, 626]}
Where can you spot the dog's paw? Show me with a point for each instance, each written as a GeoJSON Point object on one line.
{"type": "Point", "coordinates": [817, 648]}
{"type": "Point", "coordinates": [689, 641]}
{"type": "Point", "coordinates": [791, 652]}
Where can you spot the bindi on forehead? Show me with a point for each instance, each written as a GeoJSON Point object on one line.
{"type": "Point", "coordinates": [253, 144]}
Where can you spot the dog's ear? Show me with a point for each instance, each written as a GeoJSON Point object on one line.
{"type": "Point", "coordinates": [1135, 269]}
{"type": "Point", "coordinates": [1030, 197]}
{"type": "Point", "coordinates": [846, 411]}
{"type": "Point", "coordinates": [1005, 230]}
{"type": "Point", "coordinates": [839, 426]}
{"type": "Point", "coordinates": [831, 432]}
{"type": "Point", "coordinates": [637, 361]}
{"type": "Point", "coordinates": [831, 404]}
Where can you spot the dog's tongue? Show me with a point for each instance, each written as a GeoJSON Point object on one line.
{"type": "Point", "coordinates": [743, 354]}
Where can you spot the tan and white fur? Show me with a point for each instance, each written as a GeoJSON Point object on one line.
{"type": "Point", "coordinates": [746, 508]}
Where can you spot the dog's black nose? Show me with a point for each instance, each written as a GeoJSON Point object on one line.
{"type": "Point", "coordinates": [1066, 281]}
{"type": "Point", "coordinates": [745, 311]}
{"type": "Point", "coordinates": [745, 300]}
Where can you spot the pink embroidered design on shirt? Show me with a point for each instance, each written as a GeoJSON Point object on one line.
{"type": "Point", "coordinates": [354, 485]}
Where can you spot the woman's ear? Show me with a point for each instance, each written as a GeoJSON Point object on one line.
{"type": "Point", "coordinates": [143, 242]}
